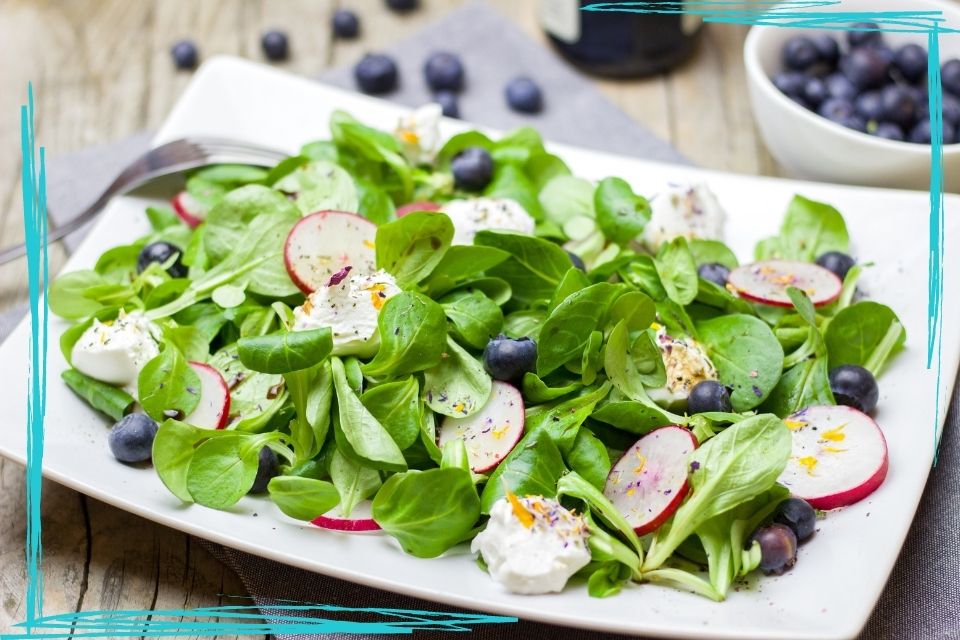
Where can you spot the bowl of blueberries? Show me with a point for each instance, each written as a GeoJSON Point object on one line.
{"type": "Point", "coordinates": [852, 106]}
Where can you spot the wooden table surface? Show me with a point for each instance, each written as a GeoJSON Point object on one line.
{"type": "Point", "coordinates": [101, 70]}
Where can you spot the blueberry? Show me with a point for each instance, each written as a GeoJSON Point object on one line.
{"type": "Point", "coordinates": [577, 261]}
{"type": "Point", "coordinates": [448, 102]}
{"type": "Point", "coordinates": [869, 105]}
{"type": "Point", "coordinates": [950, 76]}
{"type": "Point", "coordinates": [886, 52]}
{"type": "Point", "coordinates": [131, 438]}
{"type": "Point", "coordinates": [160, 252]}
{"type": "Point", "coordinates": [376, 73]}
{"type": "Point", "coordinates": [708, 395]}
{"type": "Point", "coordinates": [778, 548]}
{"type": "Point", "coordinates": [828, 50]}
{"type": "Point", "coordinates": [275, 45]}
{"type": "Point", "coordinates": [866, 68]}
{"type": "Point", "coordinates": [714, 272]}
{"type": "Point", "coordinates": [839, 87]}
{"type": "Point", "coordinates": [790, 82]}
{"type": "Point", "coordinates": [898, 105]}
{"type": "Point", "coordinates": [185, 54]}
{"type": "Point", "coordinates": [950, 109]}
{"type": "Point", "coordinates": [864, 33]}
{"type": "Point", "coordinates": [472, 169]}
{"type": "Point", "coordinates": [854, 386]}
{"type": "Point", "coordinates": [815, 92]}
{"type": "Point", "coordinates": [911, 61]}
{"type": "Point", "coordinates": [266, 470]}
{"type": "Point", "coordinates": [346, 24]}
{"type": "Point", "coordinates": [836, 262]}
{"type": "Point", "coordinates": [800, 53]}
{"type": "Point", "coordinates": [836, 109]}
{"type": "Point", "coordinates": [889, 131]}
{"type": "Point", "coordinates": [508, 359]}
{"type": "Point", "coordinates": [524, 95]}
{"type": "Point", "coordinates": [443, 70]}
{"type": "Point", "coordinates": [402, 5]}
{"type": "Point", "coordinates": [797, 514]}
{"type": "Point", "coordinates": [922, 133]}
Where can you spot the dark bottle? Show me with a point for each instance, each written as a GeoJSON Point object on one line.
{"type": "Point", "coordinates": [619, 44]}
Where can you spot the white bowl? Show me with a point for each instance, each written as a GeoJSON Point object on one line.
{"type": "Point", "coordinates": [812, 147]}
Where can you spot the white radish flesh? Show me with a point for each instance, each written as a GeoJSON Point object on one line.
{"type": "Point", "coordinates": [189, 209]}
{"type": "Point", "coordinates": [767, 281]}
{"type": "Point", "coordinates": [213, 410]}
{"type": "Point", "coordinates": [360, 519]}
{"type": "Point", "coordinates": [490, 433]}
{"type": "Point", "coordinates": [648, 483]}
{"type": "Point", "coordinates": [839, 456]}
{"type": "Point", "coordinates": [325, 242]}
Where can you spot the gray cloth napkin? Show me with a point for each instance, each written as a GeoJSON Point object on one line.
{"type": "Point", "coordinates": [921, 598]}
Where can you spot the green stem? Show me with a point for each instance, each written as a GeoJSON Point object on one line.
{"type": "Point", "coordinates": [681, 578]}
{"type": "Point", "coordinates": [880, 354]}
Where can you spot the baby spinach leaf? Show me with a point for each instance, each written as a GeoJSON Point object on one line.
{"type": "Point", "coordinates": [172, 451]}
{"type": "Point", "coordinates": [285, 351]}
{"type": "Point", "coordinates": [231, 174]}
{"type": "Point", "coordinates": [736, 465]}
{"type": "Point", "coordinates": [459, 263]}
{"type": "Point", "coordinates": [119, 264]}
{"type": "Point", "coordinates": [535, 266]}
{"type": "Point", "coordinates": [412, 331]}
{"type": "Point", "coordinates": [302, 498]}
{"type": "Point", "coordinates": [576, 486]}
{"type": "Point", "coordinates": [536, 391]}
{"type": "Point", "coordinates": [374, 203]}
{"type": "Point", "coordinates": [524, 323]}
{"type": "Point", "coordinates": [359, 434]}
{"type": "Point", "coordinates": [191, 341]}
{"type": "Point", "coordinates": [641, 273]}
{"type": "Point", "coordinates": [678, 271]}
{"type": "Point", "coordinates": [589, 458]}
{"type": "Point", "coordinates": [810, 229]}
{"type": "Point", "coordinates": [565, 197]}
{"type": "Point", "coordinates": [67, 298]}
{"type": "Point", "coordinates": [712, 252]}
{"type": "Point", "coordinates": [592, 360]}
{"type": "Point", "coordinates": [621, 213]}
{"type": "Point", "coordinates": [351, 367]}
{"type": "Point", "coordinates": [474, 317]}
{"type": "Point", "coordinates": [747, 355]}
{"type": "Point", "coordinates": [167, 383]}
{"type": "Point", "coordinates": [230, 219]}
{"type": "Point", "coordinates": [427, 511]}
{"type": "Point", "coordinates": [562, 420]}
{"type": "Point", "coordinates": [354, 481]}
{"type": "Point", "coordinates": [311, 391]}
{"type": "Point", "coordinates": [634, 416]}
{"type": "Point", "coordinates": [101, 396]}
{"type": "Point", "coordinates": [320, 186]}
{"type": "Point", "coordinates": [509, 181]}
{"type": "Point", "coordinates": [409, 248]}
{"type": "Point", "coordinates": [634, 307]}
{"type": "Point", "coordinates": [568, 327]}
{"type": "Point", "coordinates": [857, 330]}
{"type": "Point", "coordinates": [461, 141]}
{"type": "Point", "coordinates": [162, 217]}
{"type": "Point", "coordinates": [630, 366]}
{"type": "Point", "coordinates": [376, 148]}
{"type": "Point", "coordinates": [222, 469]}
{"type": "Point", "coordinates": [542, 167]}
{"type": "Point", "coordinates": [573, 280]}
{"type": "Point", "coordinates": [454, 454]}
{"type": "Point", "coordinates": [803, 385]}
{"type": "Point", "coordinates": [458, 386]}
{"type": "Point", "coordinates": [396, 405]}
{"type": "Point", "coordinates": [712, 294]}
{"type": "Point", "coordinates": [532, 468]}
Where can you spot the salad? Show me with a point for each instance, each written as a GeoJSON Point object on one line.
{"type": "Point", "coordinates": [461, 342]}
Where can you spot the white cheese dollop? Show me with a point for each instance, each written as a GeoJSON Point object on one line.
{"type": "Point", "coordinates": [419, 133]}
{"type": "Point", "coordinates": [688, 210]}
{"type": "Point", "coordinates": [115, 351]}
{"type": "Point", "coordinates": [350, 308]}
{"type": "Point", "coordinates": [533, 544]}
{"type": "Point", "coordinates": [686, 364]}
{"type": "Point", "coordinates": [477, 214]}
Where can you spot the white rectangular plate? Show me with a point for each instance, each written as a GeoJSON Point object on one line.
{"type": "Point", "coordinates": [840, 573]}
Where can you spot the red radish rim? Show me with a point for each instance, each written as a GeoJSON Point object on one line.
{"type": "Point", "coordinates": [288, 264]}
{"type": "Point", "coordinates": [522, 431]}
{"type": "Point", "coordinates": [334, 521]}
{"type": "Point", "coordinates": [411, 207]}
{"type": "Point", "coordinates": [225, 416]}
{"type": "Point", "coordinates": [787, 304]}
{"type": "Point", "coordinates": [681, 493]}
{"type": "Point", "coordinates": [180, 208]}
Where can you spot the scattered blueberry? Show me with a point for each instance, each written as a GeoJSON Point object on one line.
{"type": "Point", "coordinates": [836, 262]}
{"type": "Point", "coordinates": [131, 438]}
{"type": "Point", "coordinates": [778, 548]}
{"type": "Point", "coordinates": [911, 61]}
{"type": "Point", "coordinates": [790, 82]}
{"type": "Point", "coordinates": [524, 95]}
{"type": "Point", "coordinates": [577, 261]}
{"type": "Point", "coordinates": [402, 5]}
{"type": "Point", "coordinates": [815, 92]}
{"type": "Point", "coordinates": [922, 133]}
{"type": "Point", "coordinates": [472, 169]}
{"type": "Point", "coordinates": [886, 52]}
{"type": "Point", "coordinates": [854, 386]}
{"type": "Point", "coordinates": [266, 470]}
{"type": "Point", "coordinates": [839, 87]}
{"type": "Point", "coordinates": [889, 131]}
{"type": "Point", "coordinates": [865, 67]}
{"type": "Point", "coordinates": [508, 359]}
{"type": "Point", "coordinates": [708, 395]}
{"type": "Point", "coordinates": [864, 33]}
{"type": "Point", "coordinates": [376, 73]}
{"type": "Point", "coordinates": [898, 105]}
{"type": "Point", "coordinates": [837, 110]}
{"type": "Point", "coordinates": [827, 49]}
{"type": "Point", "coordinates": [800, 53]}
{"type": "Point", "coordinates": [160, 252]}
{"type": "Point", "coordinates": [950, 76]}
{"type": "Point", "coordinates": [448, 102]}
{"type": "Point", "coordinates": [346, 24]}
{"type": "Point", "coordinates": [185, 54]}
{"type": "Point", "coordinates": [714, 272]}
{"type": "Point", "coordinates": [869, 105]}
{"type": "Point", "coordinates": [950, 109]}
{"type": "Point", "coordinates": [444, 70]}
{"type": "Point", "coordinates": [275, 45]}
{"type": "Point", "coordinates": [797, 514]}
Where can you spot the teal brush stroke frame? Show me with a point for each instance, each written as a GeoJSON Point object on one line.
{"type": "Point", "coordinates": [171, 623]}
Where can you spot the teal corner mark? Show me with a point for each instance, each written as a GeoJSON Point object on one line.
{"type": "Point", "coordinates": [297, 618]}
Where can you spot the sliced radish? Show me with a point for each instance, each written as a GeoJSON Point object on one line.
{"type": "Point", "coordinates": [325, 242]}
{"type": "Point", "coordinates": [766, 282]}
{"type": "Point", "coordinates": [839, 456]}
{"type": "Point", "coordinates": [491, 433]}
{"type": "Point", "coordinates": [213, 410]}
{"type": "Point", "coordinates": [417, 206]}
{"type": "Point", "coordinates": [360, 519]}
{"type": "Point", "coordinates": [189, 209]}
{"type": "Point", "coordinates": [649, 481]}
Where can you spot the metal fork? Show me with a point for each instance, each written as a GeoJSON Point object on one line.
{"type": "Point", "coordinates": [173, 157]}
